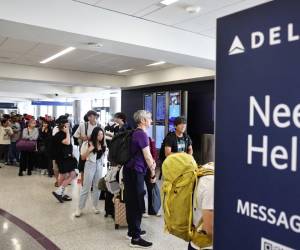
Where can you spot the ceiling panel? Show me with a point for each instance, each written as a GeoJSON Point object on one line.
{"type": "Point", "coordinates": [209, 32]}
{"type": "Point", "coordinates": [206, 21]}
{"type": "Point", "coordinates": [73, 57]}
{"type": "Point", "coordinates": [8, 55]}
{"type": "Point", "coordinates": [46, 50]}
{"type": "Point", "coordinates": [176, 13]}
{"type": "Point", "coordinates": [87, 1]}
{"type": "Point", "coordinates": [148, 11]}
{"type": "Point", "coordinates": [127, 6]}
{"type": "Point", "coordinates": [18, 46]}
{"type": "Point", "coordinates": [80, 59]}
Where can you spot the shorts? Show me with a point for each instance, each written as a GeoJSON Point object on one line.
{"type": "Point", "coordinates": [67, 165]}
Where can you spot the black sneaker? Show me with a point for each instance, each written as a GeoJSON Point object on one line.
{"type": "Point", "coordinates": [140, 243]}
{"type": "Point", "coordinates": [58, 197]}
{"type": "Point", "coordinates": [66, 198]}
{"type": "Point", "coordinates": [142, 234]}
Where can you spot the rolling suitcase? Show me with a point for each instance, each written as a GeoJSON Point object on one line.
{"type": "Point", "coordinates": [120, 214]}
{"type": "Point", "coordinates": [109, 205]}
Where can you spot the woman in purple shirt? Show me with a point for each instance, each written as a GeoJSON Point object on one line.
{"type": "Point", "coordinates": [134, 175]}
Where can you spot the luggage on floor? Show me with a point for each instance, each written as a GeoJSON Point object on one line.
{"type": "Point", "coordinates": [112, 180]}
{"type": "Point", "coordinates": [120, 214]}
{"type": "Point", "coordinates": [109, 204]}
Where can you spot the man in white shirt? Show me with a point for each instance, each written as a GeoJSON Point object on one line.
{"type": "Point", "coordinates": [203, 206]}
{"type": "Point", "coordinates": [85, 129]}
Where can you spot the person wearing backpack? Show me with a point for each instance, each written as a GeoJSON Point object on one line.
{"type": "Point", "coordinates": [187, 196]}
{"type": "Point", "coordinates": [94, 151]}
{"type": "Point", "coordinates": [134, 173]}
{"type": "Point", "coordinates": [178, 141]}
{"type": "Point", "coordinates": [203, 211]}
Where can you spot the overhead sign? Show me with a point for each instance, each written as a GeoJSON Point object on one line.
{"type": "Point", "coordinates": [257, 201]}
{"type": "Point", "coordinates": [46, 103]}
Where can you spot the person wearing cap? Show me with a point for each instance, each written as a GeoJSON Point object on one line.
{"type": "Point", "coordinates": [84, 131]}
{"type": "Point", "coordinates": [179, 141]}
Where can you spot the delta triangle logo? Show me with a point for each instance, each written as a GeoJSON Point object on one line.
{"type": "Point", "coordinates": [237, 47]}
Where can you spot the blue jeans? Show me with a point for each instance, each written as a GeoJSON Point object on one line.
{"type": "Point", "coordinates": [92, 175]}
{"type": "Point", "coordinates": [14, 155]}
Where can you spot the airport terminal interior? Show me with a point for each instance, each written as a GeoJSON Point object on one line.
{"type": "Point", "coordinates": [65, 61]}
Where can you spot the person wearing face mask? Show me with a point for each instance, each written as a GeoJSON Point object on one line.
{"type": "Point", "coordinates": [94, 152]}
{"type": "Point", "coordinates": [178, 141]}
{"type": "Point", "coordinates": [27, 159]}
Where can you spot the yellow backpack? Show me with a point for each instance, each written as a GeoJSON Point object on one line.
{"type": "Point", "coordinates": [180, 174]}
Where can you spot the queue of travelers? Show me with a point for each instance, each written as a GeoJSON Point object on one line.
{"type": "Point", "coordinates": [47, 144]}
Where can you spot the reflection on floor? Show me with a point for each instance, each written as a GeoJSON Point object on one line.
{"type": "Point", "coordinates": [29, 198]}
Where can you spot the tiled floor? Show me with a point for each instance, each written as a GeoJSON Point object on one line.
{"type": "Point", "coordinates": [29, 198]}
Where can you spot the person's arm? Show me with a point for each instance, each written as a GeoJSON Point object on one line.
{"type": "Point", "coordinates": [10, 131]}
{"type": "Point", "coordinates": [86, 149]}
{"type": "Point", "coordinates": [77, 132]}
{"type": "Point", "coordinates": [190, 147]}
{"type": "Point", "coordinates": [168, 145]}
{"type": "Point", "coordinates": [168, 151]}
{"type": "Point", "coordinates": [208, 221]}
{"type": "Point", "coordinates": [150, 162]}
{"type": "Point", "coordinates": [208, 206]}
{"type": "Point", "coordinates": [190, 150]}
{"type": "Point", "coordinates": [67, 140]}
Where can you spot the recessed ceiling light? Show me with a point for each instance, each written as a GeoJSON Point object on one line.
{"type": "Point", "coordinates": [157, 63]}
{"type": "Point", "coordinates": [61, 53]}
{"type": "Point", "coordinates": [168, 2]}
{"type": "Point", "coordinates": [124, 70]}
{"type": "Point", "coordinates": [193, 9]}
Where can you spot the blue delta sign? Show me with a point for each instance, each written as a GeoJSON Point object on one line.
{"type": "Point", "coordinates": [257, 201]}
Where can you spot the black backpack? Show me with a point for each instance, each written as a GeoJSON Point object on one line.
{"type": "Point", "coordinates": [120, 148]}
{"type": "Point", "coordinates": [162, 155]}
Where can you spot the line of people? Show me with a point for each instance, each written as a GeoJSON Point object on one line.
{"type": "Point", "coordinates": [53, 151]}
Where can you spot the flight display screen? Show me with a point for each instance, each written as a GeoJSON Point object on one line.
{"type": "Point", "coordinates": [161, 107]}
{"type": "Point", "coordinates": [174, 105]}
{"type": "Point", "coordinates": [160, 135]}
{"type": "Point", "coordinates": [148, 103]}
